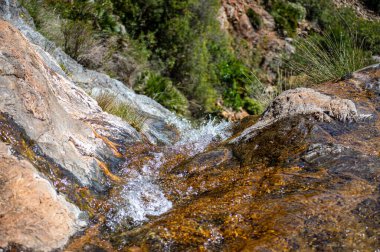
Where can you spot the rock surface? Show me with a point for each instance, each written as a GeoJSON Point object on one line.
{"type": "Point", "coordinates": [161, 122]}
{"type": "Point", "coordinates": [60, 117]}
{"type": "Point", "coordinates": [299, 183]}
{"type": "Point", "coordinates": [303, 177]}
{"type": "Point", "coordinates": [32, 214]}
{"type": "Point", "coordinates": [304, 101]}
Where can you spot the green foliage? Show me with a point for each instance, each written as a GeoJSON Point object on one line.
{"type": "Point", "coordinates": [241, 84]}
{"type": "Point", "coordinates": [110, 104]}
{"type": "Point", "coordinates": [326, 57]}
{"type": "Point", "coordinates": [286, 15]}
{"type": "Point", "coordinates": [315, 8]}
{"type": "Point", "coordinates": [201, 77]}
{"type": "Point", "coordinates": [344, 21]}
{"type": "Point", "coordinates": [254, 18]}
{"type": "Point", "coordinates": [253, 106]}
{"type": "Point", "coordinates": [181, 39]}
{"type": "Point", "coordinates": [162, 90]}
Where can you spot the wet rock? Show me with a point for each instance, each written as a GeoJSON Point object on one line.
{"type": "Point", "coordinates": [32, 214]}
{"type": "Point", "coordinates": [68, 125]}
{"type": "Point", "coordinates": [306, 180]}
{"type": "Point", "coordinates": [306, 101]}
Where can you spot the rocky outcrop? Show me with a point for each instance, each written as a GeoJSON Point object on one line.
{"type": "Point", "coordinates": [160, 123]}
{"type": "Point", "coordinates": [64, 121]}
{"type": "Point", "coordinates": [32, 214]}
{"type": "Point", "coordinates": [304, 101]}
{"type": "Point", "coordinates": [304, 176]}
{"type": "Point", "coordinates": [264, 41]}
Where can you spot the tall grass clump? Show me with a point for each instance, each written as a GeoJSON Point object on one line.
{"type": "Point", "coordinates": [110, 104]}
{"type": "Point", "coordinates": [327, 57]}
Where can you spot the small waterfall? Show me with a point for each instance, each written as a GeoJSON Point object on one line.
{"type": "Point", "coordinates": [142, 196]}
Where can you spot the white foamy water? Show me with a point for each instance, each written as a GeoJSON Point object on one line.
{"type": "Point", "coordinates": [142, 196]}
{"type": "Point", "coordinates": [196, 139]}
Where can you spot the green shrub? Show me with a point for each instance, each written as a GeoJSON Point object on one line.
{"type": "Point", "coordinates": [110, 104]}
{"type": "Point", "coordinates": [253, 106]}
{"type": "Point", "coordinates": [315, 8]}
{"type": "Point", "coordinates": [287, 15]}
{"type": "Point", "coordinates": [254, 18]}
{"type": "Point", "coordinates": [162, 90]}
{"type": "Point", "coordinates": [326, 57]}
{"type": "Point", "coordinates": [240, 86]}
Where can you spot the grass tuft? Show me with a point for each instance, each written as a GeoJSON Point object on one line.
{"type": "Point", "coordinates": [327, 57]}
{"type": "Point", "coordinates": [110, 104]}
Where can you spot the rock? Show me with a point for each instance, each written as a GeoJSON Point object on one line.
{"type": "Point", "coordinates": [60, 117]}
{"type": "Point", "coordinates": [307, 179]}
{"type": "Point", "coordinates": [307, 101]}
{"type": "Point", "coordinates": [89, 80]}
{"type": "Point", "coordinates": [32, 214]}
{"type": "Point", "coordinates": [303, 101]}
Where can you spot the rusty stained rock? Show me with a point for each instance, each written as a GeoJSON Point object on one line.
{"type": "Point", "coordinates": [63, 120]}
{"type": "Point", "coordinates": [32, 214]}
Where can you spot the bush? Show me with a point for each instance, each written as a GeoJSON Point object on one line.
{"type": "Point", "coordinates": [287, 15]}
{"type": "Point", "coordinates": [77, 37]}
{"type": "Point", "coordinates": [315, 8]}
{"type": "Point", "coordinates": [253, 106]}
{"type": "Point", "coordinates": [241, 85]}
{"type": "Point", "coordinates": [326, 57]}
{"type": "Point", "coordinates": [110, 104]}
{"type": "Point", "coordinates": [162, 90]}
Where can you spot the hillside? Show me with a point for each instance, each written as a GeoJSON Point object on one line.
{"type": "Point", "coordinates": [208, 57]}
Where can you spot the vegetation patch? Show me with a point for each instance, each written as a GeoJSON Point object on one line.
{"type": "Point", "coordinates": [287, 15]}
{"type": "Point", "coordinates": [162, 90]}
{"type": "Point", "coordinates": [326, 57]}
{"type": "Point", "coordinates": [110, 104]}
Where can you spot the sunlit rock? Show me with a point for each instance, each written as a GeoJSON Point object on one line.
{"type": "Point", "coordinates": [32, 214]}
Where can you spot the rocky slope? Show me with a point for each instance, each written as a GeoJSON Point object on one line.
{"type": "Point", "coordinates": [304, 176]}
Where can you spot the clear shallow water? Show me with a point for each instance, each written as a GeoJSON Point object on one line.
{"type": "Point", "coordinates": [142, 196]}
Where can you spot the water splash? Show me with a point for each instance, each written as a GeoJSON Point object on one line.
{"type": "Point", "coordinates": [142, 196]}
{"type": "Point", "coordinates": [194, 140]}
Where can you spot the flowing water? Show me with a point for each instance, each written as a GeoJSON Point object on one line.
{"type": "Point", "coordinates": [141, 196]}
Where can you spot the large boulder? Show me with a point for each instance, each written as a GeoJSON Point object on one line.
{"type": "Point", "coordinates": [32, 214]}
{"type": "Point", "coordinates": [66, 123]}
